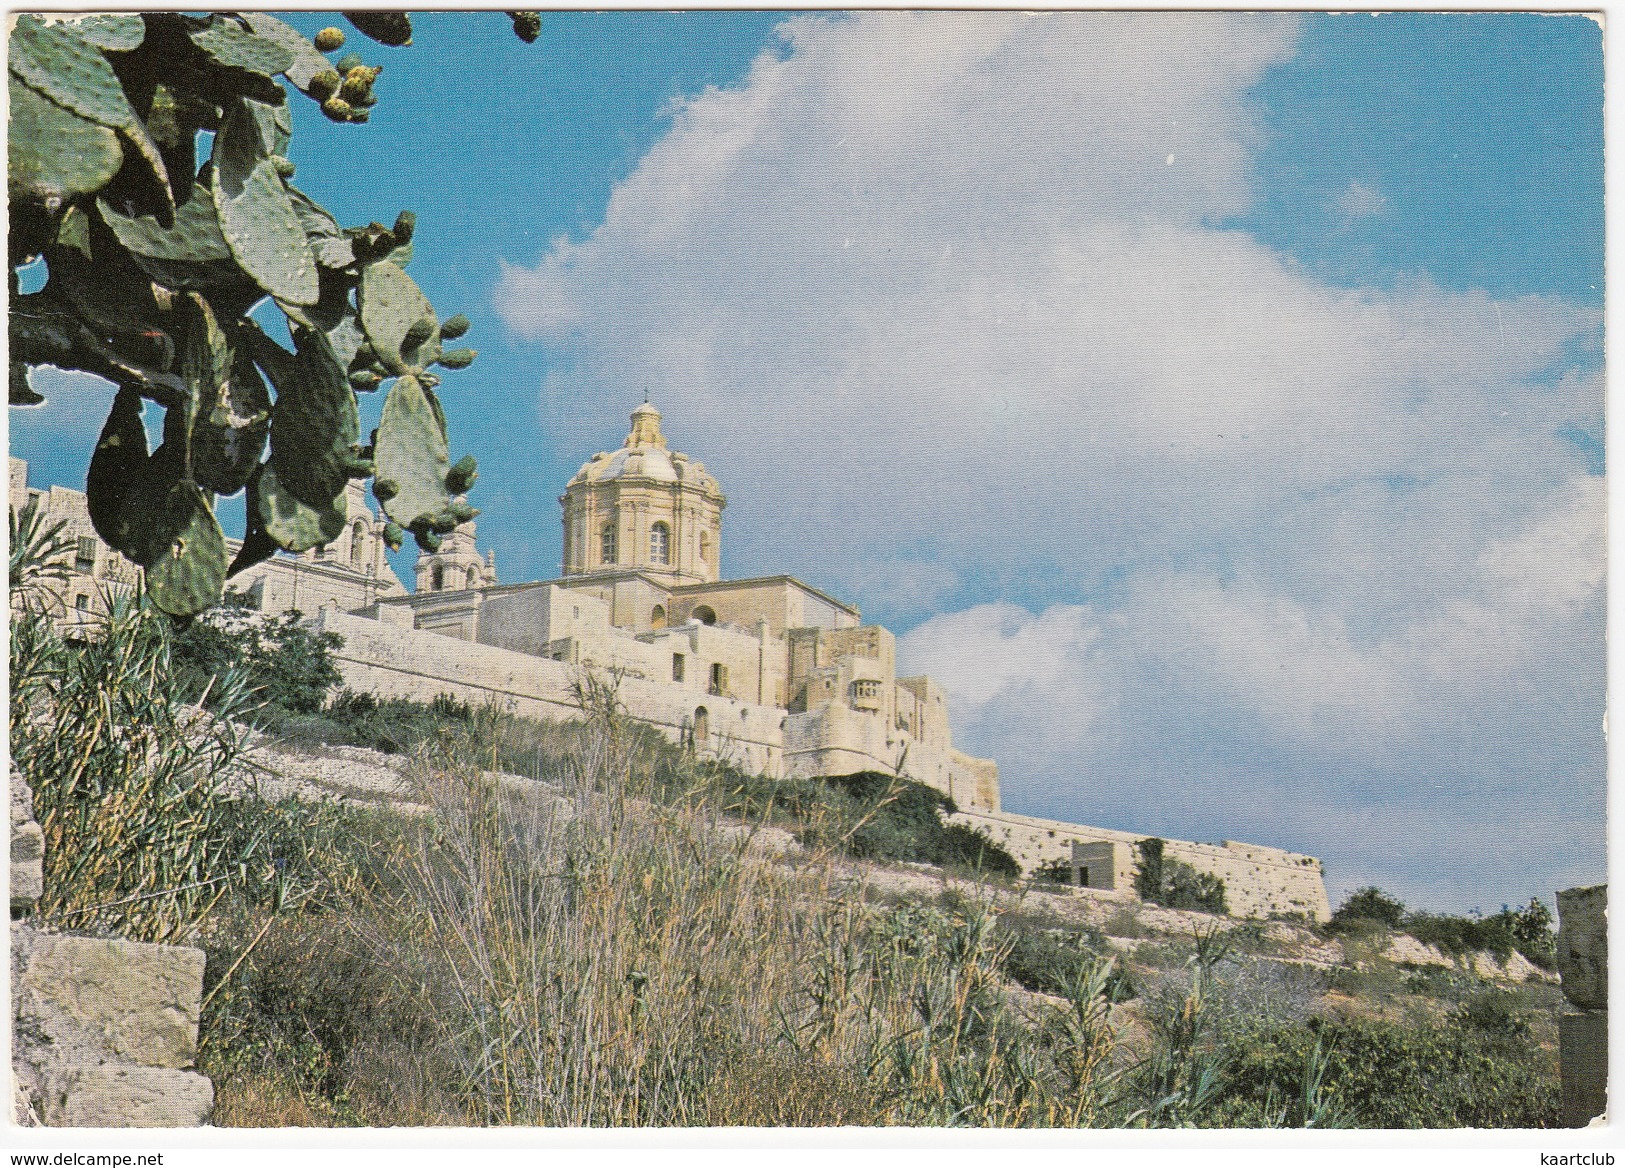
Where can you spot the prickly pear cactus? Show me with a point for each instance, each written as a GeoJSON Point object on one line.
{"type": "Point", "coordinates": [153, 264]}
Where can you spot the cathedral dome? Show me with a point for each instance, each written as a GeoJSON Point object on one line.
{"type": "Point", "coordinates": [644, 455]}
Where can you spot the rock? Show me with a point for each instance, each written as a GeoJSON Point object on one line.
{"type": "Point", "coordinates": [1583, 1051]}
{"type": "Point", "coordinates": [1582, 945]}
{"type": "Point", "coordinates": [27, 848]}
{"type": "Point", "coordinates": [115, 1095]}
{"type": "Point", "coordinates": [140, 1002]}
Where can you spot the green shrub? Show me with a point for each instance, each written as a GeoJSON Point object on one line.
{"type": "Point", "coordinates": [1461, 935]}
{"type": "Point", "coordinates": [1369, 904]}
{"type": "Point", "coordinates": [882, 817]}
{"type": "Point", "coordinates": [141, 837]}
{"type": "Point", "coordinates": [1174, 883]}
{"type": "Point", "coordinates": [1050, 961]}
{"type": "Point", "coordinates": [1392, 1076]}
{"type": "Point", "coordinates": [288, 665]}
{"type": "Point", "coordinates": [1054, 872]}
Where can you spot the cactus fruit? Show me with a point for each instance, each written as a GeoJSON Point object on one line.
{"type": "Point", "coordinates": [462, 474]}
{"type": "Point", "coordinates": [385, 489]}
{"type": "Point", "coordinates": [394, 535]}
{"type": "Point", "coordinates": [355, 87]}
{"type": "Point", "coordinates": [330, 39]}
{"type": "Point", "coordinates": [349, 61]}
{"type": "Point", "coordinates": [365, 380]}
{"type": "Point", "coordinates": [406, 224]}
{"type": "Point", "coordinates": [422, 329]}
{"type": "Point", "coordinates": [325, 84]}
{"type": "Point", "coordinates": [451, 329]}
{"type": "Point", "coordinates": [458, 358]}
{"type": "Point", "coordinates": [338, 109]}
{"type": "Point", "coordinates": [284, 167]}
{"type": "Point", "coordinates": [527, 26]}
{"type": "Point", "coordinates": [461, 512]}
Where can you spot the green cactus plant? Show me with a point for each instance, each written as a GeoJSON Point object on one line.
{"type": "Point", "coordinates": [154, 262]}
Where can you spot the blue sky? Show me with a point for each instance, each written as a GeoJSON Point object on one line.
{"type": "Point", "coordinates": [1213, 402]}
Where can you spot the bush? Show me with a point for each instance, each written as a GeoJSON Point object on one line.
{"type": "Point", "coordinates": [1174, 883]}
{"type": "Point", "coordinates": [1369, 904]}
{"type": "Point", "coordinates": [1051, 961]}
{"type": "Point", "coordinates": [288, 666]}
{"type": "Point", "coordinates": [882, 817]}
{"type": "Point", "coordinates": [1391, 1076]}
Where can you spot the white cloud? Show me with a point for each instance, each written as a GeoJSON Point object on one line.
{"type": "Point", "coordinates": [928, 294]}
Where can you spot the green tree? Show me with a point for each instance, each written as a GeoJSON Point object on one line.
{"type": "Point", "coordinates": [285, 663]}
{"type": "Point", "coordinates": [153, 264]}
{"type": "Point", "coordinates": [1370, 904]}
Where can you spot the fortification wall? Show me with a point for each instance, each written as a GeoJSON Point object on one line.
{"type": "Point", "coordinates": [392, 661]}
{"type": "Point", "coordinates": [1258, 880]}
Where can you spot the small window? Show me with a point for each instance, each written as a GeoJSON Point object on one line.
{"type": "Point", "coordinates": [719, 679]}
{"type": "Point", "coordinates": [702, 726]}
{"type": "Point", "coordinates": [576, 611]}
{"type": "Point", "coordinates": [81, 602]}
{"type": "Point", "coordinates": [85, 554]}
{"type": "Point", "coordinates": [657, 617]}
{"type": "Point", "coordinates": [606, 544]}
{"type": "Point", "coordinates": [677, 667]}
{"type": "Point", "coordinates": [705, 547]}
{"type": "Point", "coordinates": [358, 543]}
{"type": "Point", "coordinates": [439, 578]}
{"type": "Point", "coordinates": [660, 544]}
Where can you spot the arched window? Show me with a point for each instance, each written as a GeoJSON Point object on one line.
{"type": "Point", "coordinates": [660, 544]}
{"type": "Point", "coordinates": [606, 550]}
{"type": "Point", "coordinates": [705, 614]}
{"type": "Point", "coordinates": [358, 546]}
{"type": "Point", "coordinates": [439, 578]}
{"type": "Point", "coordinates": [473, 578]}
{"type": "Point", "coordinates": [657, 618]}
{"type": "Point", "coordinates": [702, 726]}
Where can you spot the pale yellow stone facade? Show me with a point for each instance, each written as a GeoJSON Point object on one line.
{"type": "Point", "coordinates": [351, 572]}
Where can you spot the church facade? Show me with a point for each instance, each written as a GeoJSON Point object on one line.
{"type": "Point", "coordinates": [769, 672]}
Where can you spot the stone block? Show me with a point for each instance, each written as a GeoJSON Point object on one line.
{"type": "Point", "coordinates": [117, 1095]}
{"type": "Point", "coordinates": [27, 847]}
{"type": "Point", "coordinates": [1582, 945]}
{"type": "Point", "coordinates": [1583, 1055]}
{"type": "Point", "coordinates": [139, 1001]}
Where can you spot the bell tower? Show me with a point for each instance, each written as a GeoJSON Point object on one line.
{"type": "Point", "coordinates": [646, 509]}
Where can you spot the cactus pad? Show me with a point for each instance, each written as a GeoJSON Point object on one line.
{"type": "Point", "coordinates": [290, 522]}
{"type": "Point", "coordinates": [397, 317]}
{"type": "Point", "coordinates": [410, 453]}
{"type": "Point", "coordinates": [257, 216]}
{"type": "Point", "coordinates": [54, 154]}
{"type": "Point", "coordinates": [190, 572]}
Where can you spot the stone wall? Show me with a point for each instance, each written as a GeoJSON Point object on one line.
{"type": "Point", "coordinates": [103, 1030]}
{"type": "Point", "coordinates": [1258, 880]}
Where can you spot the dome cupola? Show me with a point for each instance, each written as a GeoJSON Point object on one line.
{"type": "Point", "coordinates": [644, 508]}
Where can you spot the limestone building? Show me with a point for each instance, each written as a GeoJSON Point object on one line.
{"type": "Point", "coordinates": [770, 672]}
{"type": "Point", "coordinates": [350, 573]}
